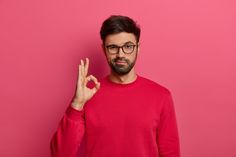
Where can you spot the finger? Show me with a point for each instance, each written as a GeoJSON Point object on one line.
{"type": "Point", "coordinates": [79, 76]}
{"type": "Point", "coordinates": [87, 79]}
{"type": "Point", "coordinates": [90, 77]}
{"type": "Point", "coordinates": [82, 67]}
{"type": "Point", "coordinates": [94, 79]}
{"type": "Point", "coordinates": [86, 67]}
{"type": "Point", "coordinates": [97, 86]}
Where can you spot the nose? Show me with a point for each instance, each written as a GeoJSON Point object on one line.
{"type": "Point", "coordinates": [120, 52]}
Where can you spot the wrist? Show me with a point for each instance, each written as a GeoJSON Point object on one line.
{"type": "Point", "coordinates": [77, 106]}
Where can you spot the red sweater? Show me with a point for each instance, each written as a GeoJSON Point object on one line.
{"type": "Point", "coordinates": [121, 120]}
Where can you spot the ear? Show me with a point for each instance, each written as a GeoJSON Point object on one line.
{"type": "Point", "coordinates": [138, 47]}
{"type": "Point", "coordinates": [103, 49]}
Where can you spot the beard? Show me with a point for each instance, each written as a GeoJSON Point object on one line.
{"type": "Point", "coordinates": [122, 69]}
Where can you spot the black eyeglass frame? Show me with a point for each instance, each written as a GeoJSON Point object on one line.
{"type": "Point", "coordinates": [122, 47]}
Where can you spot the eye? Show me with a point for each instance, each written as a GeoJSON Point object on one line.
{"type": "Point", "coordinates": [128, 46]}
{"type": "Point", "coordinates": [112, 47]}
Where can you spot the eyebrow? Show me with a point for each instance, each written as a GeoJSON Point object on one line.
{"type": "Point", "coordinates": [128, 42]}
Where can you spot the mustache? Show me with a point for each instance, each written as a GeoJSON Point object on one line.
{"type": "Point", "coordinates": [120, 59]}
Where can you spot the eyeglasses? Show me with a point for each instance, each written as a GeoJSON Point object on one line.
{"type": "Point", "coordinates": [126, 48]}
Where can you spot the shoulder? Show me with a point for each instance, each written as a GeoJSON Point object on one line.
{"type": "Point", "coordinates": [154, 86]}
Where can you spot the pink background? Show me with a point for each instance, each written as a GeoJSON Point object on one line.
{"type": "Point", "coordinates": [186, 45]}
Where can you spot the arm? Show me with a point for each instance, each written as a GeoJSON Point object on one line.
{"type": "Point", "coordinates": [67, 139]}
{"type": "Point", "coordinates": [167, 131]}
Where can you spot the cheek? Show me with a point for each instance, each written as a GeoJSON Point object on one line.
{"type": "Point", "coordinates": [109, 58]}
{"type": "Point", "coordinates": [132, 57]}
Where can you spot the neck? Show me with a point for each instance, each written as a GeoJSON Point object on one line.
{"type": "Point", "coordinates": [123, 79]}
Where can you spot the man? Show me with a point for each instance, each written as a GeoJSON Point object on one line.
{"type": "Point", "coordinates": [124, 114]}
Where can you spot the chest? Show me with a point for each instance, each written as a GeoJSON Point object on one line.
{"type": "Point", "coordinates": [134, 112]}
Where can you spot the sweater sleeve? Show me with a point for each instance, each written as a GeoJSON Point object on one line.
{"type": "Point", "coordinates": [67, 139]}
{"type": "Point", "coordinates": [167, 131]}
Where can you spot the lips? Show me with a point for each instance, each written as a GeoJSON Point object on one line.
{"type": "Point", "coordinates": [120, 62]}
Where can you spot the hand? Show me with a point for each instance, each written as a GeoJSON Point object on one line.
{"type": "Point", "coordinates": [83, 93]}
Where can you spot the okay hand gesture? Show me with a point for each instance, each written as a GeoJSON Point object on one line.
{"type": "Point", "coordinates": [83, 93]}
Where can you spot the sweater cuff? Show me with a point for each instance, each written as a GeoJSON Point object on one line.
{"type": "Point", "coordinates": [74, 114]}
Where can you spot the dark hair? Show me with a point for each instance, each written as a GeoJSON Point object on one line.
{"type": "Point", "coordinates": [117, 24]}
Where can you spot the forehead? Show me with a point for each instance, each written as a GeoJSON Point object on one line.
{"type": "Point", "coordinates": [120, 38]}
